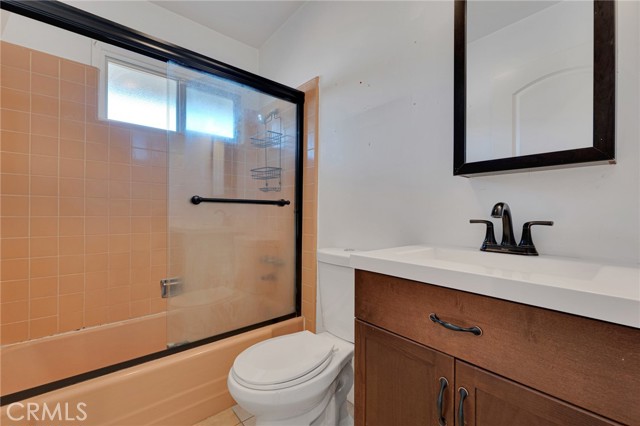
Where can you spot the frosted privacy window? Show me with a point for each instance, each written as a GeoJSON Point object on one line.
{"type": "Point", "coordinates": [139, 97]}
{"type": "Point", "coordinates": [210, 113]}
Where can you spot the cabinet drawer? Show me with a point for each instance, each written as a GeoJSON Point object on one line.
{"type": "Point", "coordinates": [592, 364]}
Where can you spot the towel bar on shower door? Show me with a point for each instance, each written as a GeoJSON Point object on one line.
{"type": "Point", "coordinates": [196, 199]}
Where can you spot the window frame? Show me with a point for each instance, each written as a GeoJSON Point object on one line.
{"type": "Point", "coordinates": [102, 54]}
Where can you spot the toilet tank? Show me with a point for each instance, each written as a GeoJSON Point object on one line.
{"type": "Point", "coordinates": [336, 293]}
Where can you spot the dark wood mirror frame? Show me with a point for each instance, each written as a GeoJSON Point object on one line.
{"type": "Point", "coordinates": [604, 93]}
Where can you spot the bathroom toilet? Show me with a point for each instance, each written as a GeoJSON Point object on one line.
{"type": "Point", "coordinates": [303, 378]}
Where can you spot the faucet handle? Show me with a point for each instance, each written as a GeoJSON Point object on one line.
{"type": "Point", "coordinates": [526, 240]}
{"type": "Point", "coordinates": [489, 237]}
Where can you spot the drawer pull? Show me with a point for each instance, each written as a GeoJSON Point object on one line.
{"type": "Point", "coordinates": [463, 395]}
{"type": "Point", "coordinates": [477, 331]}
{"type": "Point", "coordinates": [443, 385]}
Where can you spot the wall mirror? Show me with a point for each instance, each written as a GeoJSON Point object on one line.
{"type": "Point", "coordinates": [534, 85]}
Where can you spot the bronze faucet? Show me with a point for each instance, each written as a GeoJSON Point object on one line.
{"type": "Point", "coordinates": [508, 243]}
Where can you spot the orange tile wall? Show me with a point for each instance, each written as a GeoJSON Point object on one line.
{"type": "Point", "coordinates": [309, 215]}
{"type": "Point", "coordinates": [82, 203]}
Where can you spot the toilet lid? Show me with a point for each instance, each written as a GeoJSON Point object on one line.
{"type": "Point", "coordinates": [277, 362]}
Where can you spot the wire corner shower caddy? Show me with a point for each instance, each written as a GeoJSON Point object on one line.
{"type": "Point", "coordinates": [270, 140]}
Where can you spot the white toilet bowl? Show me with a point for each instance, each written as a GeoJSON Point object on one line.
{"type": "Point", "coordinates": [298, 379]}
{"type": "Point", "coordinates": [303, 379]}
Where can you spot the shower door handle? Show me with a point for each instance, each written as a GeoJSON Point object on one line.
{"type": "Point", "coordinates": [196, 199]}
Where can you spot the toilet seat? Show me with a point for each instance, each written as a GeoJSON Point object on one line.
{"type": "Point", "coordinates": [283, 361]}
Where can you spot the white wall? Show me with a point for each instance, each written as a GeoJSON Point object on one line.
{"type": "Point", "coordinates": [166, 25]}
{"type": "Point", "coordinates": [142, 16]}
{"type": "Point", "coordinates": [36, 35]}
{"type": "Point", "coordinates": [386, 137]}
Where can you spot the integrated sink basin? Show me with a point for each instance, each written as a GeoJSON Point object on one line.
{"type": "Point", "coordinates": [499, 263]}
{"type": "Point", "coordinates": [596, 290]}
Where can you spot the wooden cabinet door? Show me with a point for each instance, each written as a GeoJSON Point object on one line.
{"type": "Point", "coordinates": [496, 401]}
{"type": "Point", "coordinates": [398, 381]}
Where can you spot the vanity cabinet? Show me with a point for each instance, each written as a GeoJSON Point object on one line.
{"type": "Point", "coordinates": [401, 380]}
{"type": "Point", "coordinates": [529, 365]}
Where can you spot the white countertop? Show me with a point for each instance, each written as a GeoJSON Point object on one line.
{"type": "Point", "coordinates": [594, 290]}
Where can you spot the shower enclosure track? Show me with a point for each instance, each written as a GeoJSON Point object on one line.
{"type": "Point", "coordinates": [196, 199]}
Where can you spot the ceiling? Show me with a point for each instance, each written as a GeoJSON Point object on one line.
{"type": "Point", "coordinates": [250, 22]}
{"type": "Point", "coordinates": [484, 17]}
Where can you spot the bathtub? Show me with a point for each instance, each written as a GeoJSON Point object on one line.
{"type": "Point", "coordinates": [197, 314]}
{"type": "Point", "coordinates": [179, 390]}
{"type": "Point", "coordinates": [190, 316]}
{"type": "Point", "coordinates": [33, 363]}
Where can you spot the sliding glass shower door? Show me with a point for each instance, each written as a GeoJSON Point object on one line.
{"type": "Point", "coordinates": [232, 196]}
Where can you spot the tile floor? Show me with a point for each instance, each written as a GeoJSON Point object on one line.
{"type": "Point", "coordinates": [237, 416]}
{"type": "Point", "coordinates": [234, 416]}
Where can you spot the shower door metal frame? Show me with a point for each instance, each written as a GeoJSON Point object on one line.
{"type": "Point", "coordinates": [78, 21]}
